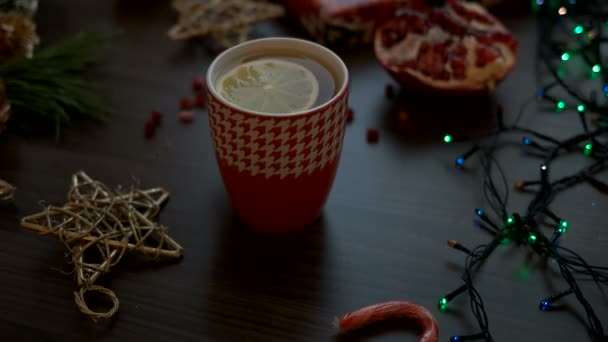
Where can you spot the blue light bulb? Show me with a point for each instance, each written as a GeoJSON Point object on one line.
{"type": "Point", "coordinates": [459, 161]}
{"type": "Point", "coordinates": [544, 305]}
{"type": "Point", "coordinates": [605, 89]}
{"type": "Point", "coordinates": [527, 140]}
{"type": "Point", "coordinates": [479, 212]}
{"type": "Point", "coordinates": [541, 92]}
{"type": "Point", "coordinates": [455, 339]}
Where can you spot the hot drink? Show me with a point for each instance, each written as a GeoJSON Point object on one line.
{"type": "Point", "coordinates": [277, 84]}
{"type": "Point", "coordinates": [277, 115]}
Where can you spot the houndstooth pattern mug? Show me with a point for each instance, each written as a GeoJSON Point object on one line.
{"type": "Point", "coordinates": [278, 169]}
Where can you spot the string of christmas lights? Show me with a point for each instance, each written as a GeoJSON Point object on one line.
{"type": "Point", "coordinates": [571, 35]}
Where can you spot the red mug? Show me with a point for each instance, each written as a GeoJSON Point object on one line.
{"type": "Point", "coordinates": [278, 169]}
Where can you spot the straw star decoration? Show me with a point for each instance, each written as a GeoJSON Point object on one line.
{"type": "Point", "coordinates": [226, 21]}
{"type": "Point", "coordinates": [6, 191]}
{"type": "Point", "coordinates": [99, 226]}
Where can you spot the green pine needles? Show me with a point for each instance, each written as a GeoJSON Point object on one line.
{"type": "Point", "coordinates": [51, 88]}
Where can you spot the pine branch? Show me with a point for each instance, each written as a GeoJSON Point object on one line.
{"type": "Point", "coordinates": [51, 86]}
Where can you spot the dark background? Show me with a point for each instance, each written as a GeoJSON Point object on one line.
{"type": "Point", "coordinates": [382, 235]}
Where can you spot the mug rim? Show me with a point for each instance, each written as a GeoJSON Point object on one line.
{"type": "Point", "coordinates": [331, 101]}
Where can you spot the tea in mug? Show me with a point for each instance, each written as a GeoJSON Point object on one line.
{"type": "Point", "coordinates": [277, 84]}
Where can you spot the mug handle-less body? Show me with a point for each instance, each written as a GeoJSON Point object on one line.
{"type": "Point", "coordinates": [278, 169]}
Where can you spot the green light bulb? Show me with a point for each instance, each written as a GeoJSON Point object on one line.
{"type": "Point", "coordinates": [565, 56]}
{"type": "Point", "coordinates": [532, 238]}
{"type": "Point", "coordinates": [563, 226]}
{"type": "Point", "coordinates": [588, 149]}
{"type": "Point", "coordinates": [447, 138]}
{"type": "Point", "coordinates": [560, 106]}
{"type": "Point", "coordinates": [596, 68]}
{"type": "Point", "coordinates": [578, 29]}
{"type": "Point", "coordinates": [580, 108]}
{"type": "Point", "coordinates": [510, 220]}
{"type": "Point", "coordinates": [443, 304]}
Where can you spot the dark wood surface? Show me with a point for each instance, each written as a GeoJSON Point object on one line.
{"type": "Point", "coordinates": [382, 235]}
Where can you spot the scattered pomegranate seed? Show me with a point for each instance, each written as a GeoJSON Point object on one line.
{"type": "Point", "coordinates": [389, 91]}
{"type": "Point", "coordinates": [186, 116]}
{"type": "Point", "coordinates": [156, 117]}
{"type": "Point", "coordinates": [350, 115]}
{"type": "Point", "coordinates": [198, 84]}
{"type": "Point", "coordinates": [149, 129]}
{"type": "Point", "coordinates": [186, 103]}
{"type": "Point", "coordinates": [373, 135]}
{"type": "Point", "coordinates": [201, 101]}
{"type": "Point", "coordinates": [403, 118]}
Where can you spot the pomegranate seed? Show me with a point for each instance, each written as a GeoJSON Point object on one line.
{"type": "Point", "coordinates": [402, 118]}
{"type": "Point", "coordinates": [444, 56]}
{"type": "Point", "coordinates": [390, 37]}
{"type": "Point", "coordinates": [186, 116]}
{"type": "Point", "coordinates": [461, 50]}
{"type": "Point", "coordinates": [418, 26]}
{"type": "Point", "coordinates": [198, 84]}
{"type": "Point", "coordinates": [435, 16]}
{"type": "Point", "coordinates": [424, 47]}
{"type": "Point", "coordinates": [425, 63]}
{"type": "Point", "coordinates": [350, 115]}
{"type": "Point", "coordinates": [480, 57]}
{"type": "Point", "coordinates": [491, 55]}
{"type": "Point", "coordinates": [389, 91]}
{"type": "Point", "coordinates": [458, 63]}
{"type": "Point", "coordinates": [437, 65]}
{"type": "Point", "coordinates": [502, 37]}
{"type": "Point", "coordinates": [201, 101]}
{"type": "Point", "coordinates": [186, 103]}
{"type": "Point", "coordinates": [149, 129]}
{"type": "Point", "coordinates": [156, 117]}
{"type": "Point", "coordinates": [373, 135]}
{"type": "Point", "coordinates": [484, 39]}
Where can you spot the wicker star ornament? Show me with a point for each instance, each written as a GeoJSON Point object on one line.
{"type": "Point", "coordinates": [99, 226]}
{"type": "Point", "coordinates": [226, 21]}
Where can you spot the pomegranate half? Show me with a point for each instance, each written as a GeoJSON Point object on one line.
{"type": "Point", "coordinates": [456, 48]}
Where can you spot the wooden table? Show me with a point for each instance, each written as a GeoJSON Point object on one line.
{"type": "Point", "coordinates": [382, 235]}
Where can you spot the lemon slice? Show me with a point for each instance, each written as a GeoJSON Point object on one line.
{"type": "Point", "coordinates": [270, 86]}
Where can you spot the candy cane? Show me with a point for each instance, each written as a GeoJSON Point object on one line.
{"type": "Point", "coordinates": [391, 310]}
